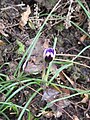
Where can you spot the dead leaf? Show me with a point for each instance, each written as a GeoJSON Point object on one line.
{"type": "Point", "coordinates": [53, 69]}
{"type": "Point", "coordinates": [85, 99]}
{"type": "Point", "coordinates": [75, 117]}
{"type": "Point", "coordinates": [67, 91]}
{"type": "Point", "coordinates": [32, 68]}
{"type": "Point", "coordinates": [51, 94]}
{"type": "Point", "coordinates": [12, 66]}
{"type": "Point", "coordinates": [2, 97]}
{"type": "Point", "coordinates": [25, 17]}
{"type": "Point", "coordinates": [46, 43]}
{"type": "Point", "coordinates": [83, 38]}
{"type": "Point", "coordinates": [47, 114]}
{"type": "Point", "coordinates": [35, 64]}
{"type": "Point", "coordinates": [62, 77]}
{"type": "Point", "coordinates": [87, 116]}
{"type": "Point", "coordinates": [2, 43]}
{"type": "Point", "coordinates": [2, 27]}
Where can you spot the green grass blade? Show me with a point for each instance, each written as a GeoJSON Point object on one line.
{"type": "Point", "coordinates": [58, 71]}
{"type": "Point", "coordinates": [66, 97]}
{"type": "Point", "coordinates": [18, 90]}
{"type": "Point", "coordinates": [81, 52]}
{"type": "Point", "coordinates": [10, 104]}
{"type": "Point", "coordinates": [28, 102]}
{"type": "Point", "coordinates": [80, 28]}
{"type": "Point", "coordinates": [85, 10]}
{"type": "Point", "coordinates": [6, 117]}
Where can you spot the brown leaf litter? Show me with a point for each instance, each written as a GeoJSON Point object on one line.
{"type": "Point", "coordinates": [24, 17]}
{"type": "Point", "coordinates": [2, 27]}
{"type": "Point", "coordinates": [35, 64]}
{"type": "Point", "coordinates": [51, 94]}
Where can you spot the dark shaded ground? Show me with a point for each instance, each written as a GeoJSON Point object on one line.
{"type": "Point", "coordinates": [69, 42]}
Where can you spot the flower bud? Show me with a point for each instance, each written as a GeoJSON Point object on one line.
{"type": "Point", "coordinates": [49, 54]}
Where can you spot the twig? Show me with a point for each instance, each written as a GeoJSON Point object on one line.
{"type": "Point", "coordinates": [71, 81]}
{"type": "Point", "coordinates": [9, 7]}
{"type": "Point", "coordinates": [73, 62]}
{"type": "Point", "coordinates": [72, 55]}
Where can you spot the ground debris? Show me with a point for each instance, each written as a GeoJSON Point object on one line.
{"type": "Point", "coordinates": [2, 43]}
{"type": "Point", "coordinates": [49, 95]}
{"type": "Point", "coordinates": [25, 17]}
{"type": "Point", "coordinates": [35, 64]}
{"type": "Point", "coordinates": [75, 117]}
{"type": "Point", "coordinates": [85, 99]}
{"type": "Point", "coordinates": [71, 41]}
{"type": "Point", "coordinates": [2, 27]}
{"type": "Point", "coordinates": [2, 97]}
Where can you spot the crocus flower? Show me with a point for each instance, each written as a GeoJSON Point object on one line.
{"type": "Point", "coordinates": [49, 54]}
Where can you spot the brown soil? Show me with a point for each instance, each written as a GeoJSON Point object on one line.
{"type": "Point", "coordinates": [70, 41]}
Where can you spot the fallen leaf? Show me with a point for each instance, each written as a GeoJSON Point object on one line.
{"type": "Point", "coordinates": [47, 114]}
{"type": "Point", "coordinates": [25, 17]}
{"type": "Point", "coordinates": [46, 43]}
{"type": "Point", "coordinates": [75, 117]}
{"type": "Point", "coordinates": [51, 94]}
{"type": "Point", "coordinates": [83, 38]}
{"type": "Point", "coordinates": [53, 69]}
{"type": "Point", "coordinates": [2, 43]}
{"type": "Point", "coordinates": [32, 68]}
{"type": "Point", "coordinates": [2, 27]}
{"type": "Point", "coordinates": [85, 99]}
{"type": "Point", "coordinates": [21, 48]}
{"type": "Point", "coordinates": [62, 77]}
{"type": "Point", "coordinates": [2, 97]}
{"type": "Point", "coordinates": [12, 66]}
{"type": "Point", "coordinates": [87, 116]}
{"type": "Point", "coordinates": [35, 64]}
{"type": "Point", "coordinates": [67, 91]}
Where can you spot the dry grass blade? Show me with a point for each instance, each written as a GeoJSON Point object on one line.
{"type": "Point", "coordinates": [72, 55]}
{"type": "Point", "coordinates": [73, 62]}
{"type": "Point", "coordinates": [71, 81]}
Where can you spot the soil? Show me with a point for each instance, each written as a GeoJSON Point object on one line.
{"type": "Point", "coordinates": [70, 40]}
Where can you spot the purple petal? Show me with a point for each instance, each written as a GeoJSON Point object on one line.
{"type": "Point", "coordinates": [50, 50]}
{"type": "Point", "coordinates": [49, 54]}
